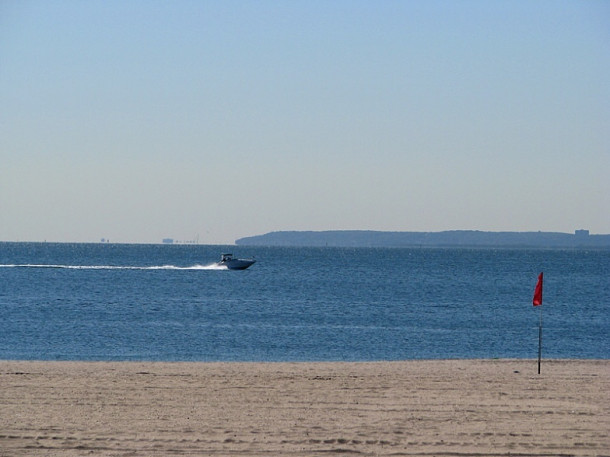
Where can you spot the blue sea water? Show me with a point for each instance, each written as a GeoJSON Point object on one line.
{"type": "Point", "coordinates": [169, 303]}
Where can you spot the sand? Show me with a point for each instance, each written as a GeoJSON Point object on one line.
{"type": "Point", "coordinates": [412, 408]}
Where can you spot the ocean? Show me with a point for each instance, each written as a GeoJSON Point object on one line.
{"type": "Point", "coordinates": [61, 301]}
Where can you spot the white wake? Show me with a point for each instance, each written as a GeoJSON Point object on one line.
{"type": "Point", "coordinates": [212, 266]}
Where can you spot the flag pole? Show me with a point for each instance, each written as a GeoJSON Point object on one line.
{"type": "Point", "coordinates": [540, 340]}
{"type": "Point", "coordinates": [537, 301]}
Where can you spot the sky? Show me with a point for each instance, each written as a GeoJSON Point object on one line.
{"type": "Point", "coordinates": [209, 121]}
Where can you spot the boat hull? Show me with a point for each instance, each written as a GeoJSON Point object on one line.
{"type": "Point", "coordinates": [236, 264]}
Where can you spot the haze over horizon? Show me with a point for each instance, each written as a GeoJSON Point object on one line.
{"type": "Point", "coordinates": [212, 121]}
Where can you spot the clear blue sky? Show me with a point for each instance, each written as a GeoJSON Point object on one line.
{"type": "Point", "coordinates": [139, 120]}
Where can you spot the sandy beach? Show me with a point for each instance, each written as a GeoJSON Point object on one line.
{"type": "Point", "coordinates": [412, 408]}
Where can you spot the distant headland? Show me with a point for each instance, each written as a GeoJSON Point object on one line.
{"type": "Point", "coordinates": [452, 238]}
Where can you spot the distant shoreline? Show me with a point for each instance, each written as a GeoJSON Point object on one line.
{"type": "Point", "coordinates": [452, 238]}
{"type": "Point", "coordinates": [475, 239]}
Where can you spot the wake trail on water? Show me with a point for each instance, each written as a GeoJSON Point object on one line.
{"type": "Point", "coordinates": [212, 266]}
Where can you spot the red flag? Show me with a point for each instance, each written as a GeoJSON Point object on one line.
{"type": "Point", "coordinates": [538, 292]}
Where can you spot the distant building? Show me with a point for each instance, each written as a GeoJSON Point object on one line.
{"type": "Point", "coordinates": [581, 233]}
{"type": "Point", "coordinates": [168, 241]}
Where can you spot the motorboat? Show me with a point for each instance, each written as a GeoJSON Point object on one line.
{"type": "Point", "coordinates": [230, 262]}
